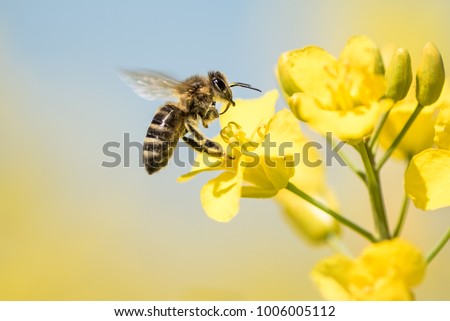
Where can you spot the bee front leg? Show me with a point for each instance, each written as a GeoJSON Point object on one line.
{"type": "Point", "coordinates": [210, 114]}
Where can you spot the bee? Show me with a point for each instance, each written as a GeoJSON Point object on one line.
{"type": "Point", "coordinates": [197, 97]}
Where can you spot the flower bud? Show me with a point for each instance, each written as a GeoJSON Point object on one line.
{"type": "Point", "coordinates": [287, 72]}
{"type": "Point", "coordinates": [399, 75]}
{"type": "Point", "coordinates": [430, 76]}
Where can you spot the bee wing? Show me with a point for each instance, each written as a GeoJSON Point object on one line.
{"type": "Point", "coordinates": [151, 85]}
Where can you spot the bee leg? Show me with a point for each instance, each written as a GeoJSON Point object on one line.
{"type": "Point", "coordinates": [192, 128]}
{"type": "Point", "coordinates": [202, 144]}
{"type": "Point", "coordinates": [210, 115]}
{"type": "Point", "coordinates": [207, 146]}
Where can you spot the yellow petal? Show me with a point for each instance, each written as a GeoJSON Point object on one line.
{"type": "Point", "coordinates": [304, 70]}
{"type": "Point", "coordinates": [205, 163]}
{"type": "Point", "coordinates": [427, 179]}
{"type": "Point", "coordinates": [349, 125]}
{"type": "Point", "coordinates": [419, 136]}
{"type": "Point", "coordinates": [365, 286]}
{"type": "Point", "coordinates": [442, 126]}
{"type": "Point", "coordinates": [251, 113]}
{"type": "Point", "coordinates": [386, 288]}
{"type": "Point", "coordinates": [220, 196]}
{"type": "Point", "coordinates": [269, 167]}
{"type": "Point", "coordinates": [332, 275]}
{"type": "Point", "coordinates": [397, 258]}
{"type": "Point", "coordinates": [284, 130]}
{"type": "Point", "coordinates": [258, 192]}
{"type": "Point", "coordinates": [301, 104]}
{"type": "Point", "coordinates": [361, 52]}
{"type": "Point", "coordinates": [254, 172]}
{"type": "Point", "coordinates": [272, 173]}
{"type": "Point", "coordinates": [384, 271]}
{"type": "Point", "coordinates": [186, 177]}
{"type": "Point", "coordinates": [310, 172]}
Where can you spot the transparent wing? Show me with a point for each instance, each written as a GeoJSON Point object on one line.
{"type": "Point", "coordinates": [150, 84]}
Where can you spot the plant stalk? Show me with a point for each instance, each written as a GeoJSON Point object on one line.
{"type": "Point", "coordinates": [375, 193]}
{"type": "Point", "coordinates": [291, 187]}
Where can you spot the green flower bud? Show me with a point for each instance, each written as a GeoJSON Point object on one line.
{"type": "Point", "coordinates": [379, 64]}
{"type": "Point", "coordinates": [430, 76]}
{"type": "Point", "coordinates": [399, 75]}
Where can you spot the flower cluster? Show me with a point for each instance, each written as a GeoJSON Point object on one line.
{"type": "Point", "coordinates": [342, 96]}
{"type": "Point", "coordinates": [384, 271]}
{"type": "Point", "coordinates": [367, 106]}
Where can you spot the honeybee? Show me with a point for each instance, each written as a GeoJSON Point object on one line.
{"type": "Point", "coordinates": [197, 97]}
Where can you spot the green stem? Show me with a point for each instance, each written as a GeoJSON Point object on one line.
{"type": "Point", "coordinates": [291, 187]}
{"type": "Point", "coordinates": [335, 242]}
{"type": "Point", "coordinates": [355, 170]}
{"type": "Point", "coordinates": [347, 160]}
{"type": "Point", "coordinates": [438, 247]}
{"type": "Point", "coordinates": [400, 136]}
{"type": "Point", "coordinates": [377, 132]}
{"type": "Point", "coordinates": [402, 216]}
{"type": "Point", "coordinates": [376, 196]}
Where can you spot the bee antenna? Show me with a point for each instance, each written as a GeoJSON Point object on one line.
{"type": "Point", "coordinates": [241, 84]}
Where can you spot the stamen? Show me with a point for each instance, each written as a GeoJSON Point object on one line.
{"type": "Point", "coordinates": [262, 131]}
{"type": "Point", "coordinates": [232, 132]}
{"type": "Point", "coordinates": [339, 87]}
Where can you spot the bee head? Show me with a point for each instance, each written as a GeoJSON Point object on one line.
{"type": "Point", "coordinates": [222, 90]}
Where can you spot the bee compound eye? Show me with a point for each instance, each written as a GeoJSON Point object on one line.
{"type": "Point", "coordinates": [220, 84]}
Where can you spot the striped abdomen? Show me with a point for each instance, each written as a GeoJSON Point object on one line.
{"type": "Point", "coordinates": [162, 137]}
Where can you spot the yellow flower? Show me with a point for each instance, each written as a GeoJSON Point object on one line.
{"type": "Point", "coordinates": [384, 271]}
{"type": "Point", "coordinates": [262, 143]}
{"type": "Point", "coordinates": [419, 136]}
{"type": "Point", "coordinates": [342, 95]}
{"type": "Point", "coordinates": [427, 179]}
{"type": "Point", "coordinates": [442, 125]}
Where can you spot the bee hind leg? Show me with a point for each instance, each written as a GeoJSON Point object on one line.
{"type": "Point", "coordinates": [202, 144]}
{"type": "Point", "coordinates": [207, 146]}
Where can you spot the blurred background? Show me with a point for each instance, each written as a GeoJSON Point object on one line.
{"type": "Point", "coordinates": [71, 229]}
